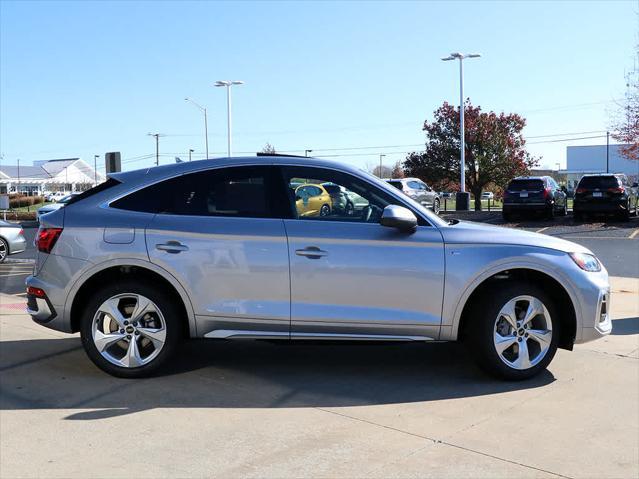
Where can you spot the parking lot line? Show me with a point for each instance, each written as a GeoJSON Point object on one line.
{"type": "Point", "coordinates": [26, 273]}
{"type": "Point", "coordinates": [634, 234]}
{"type": "Point", "coordinates": [542, 229]}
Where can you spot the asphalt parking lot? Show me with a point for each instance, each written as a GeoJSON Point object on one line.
{"type": "Point", "coordinates": [258, 409]}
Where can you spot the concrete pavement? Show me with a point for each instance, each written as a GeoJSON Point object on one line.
{"type": "Point", "coordinates": [256, 409]}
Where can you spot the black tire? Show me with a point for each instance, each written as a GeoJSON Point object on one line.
{"type": "Point", "coordinates": [162, 299]}
{"type": "Point", "coordinates": [436, 206]}
{"type": "Point", "coordinates": [4, 250]}
{"type": "Point", "coordinates": [480, 331]}
{"type": "Point", "coordinates": [350, 209]}
{"type": "Point", "coordinates": [325, 210]}
{"type": "Point", "coordinates": [550, 212]}
{"type": "Point", "coordinates": [625, 214]}
{"type": "Point", "coordinates": [508, 217]}
{"type": "Point", "coordinates": [577, 216]}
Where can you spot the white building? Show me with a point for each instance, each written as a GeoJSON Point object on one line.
{"type": "Point", "coordinates": [67, 174]}
{"type": "Point", "coordinates": [581, 160]}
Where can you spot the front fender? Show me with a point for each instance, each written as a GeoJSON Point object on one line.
{"type": "Point", "coordinates": [468, 266]}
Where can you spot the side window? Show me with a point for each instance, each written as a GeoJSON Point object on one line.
{"type": "Point", "coordinates": [239, 191]}
{"type": "Point", "coordinates": [336, 196]}
{"type": "Point", "coordinates": [416, 185]}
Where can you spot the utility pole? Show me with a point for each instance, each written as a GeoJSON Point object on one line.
{"type": "Point", "coordinates": [607, 152]}
{"type": "Point", "coordinates": [157, 146]}
{"type": "Point", "coordinates": [380, 165]}
{"type": "Point", "coordinates": [95, 169]}
{"type": "Point", "coordinates": [191, 151]}
{"type": "Point", "coordinates": [18, 188]}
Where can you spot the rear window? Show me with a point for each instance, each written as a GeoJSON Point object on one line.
{"type": "Point", "coordinates": [527, 185]}
{"type": "Point", "coordinates": [110, 183]}
{"type": "Point", "coordinates": [601, 182]}
{"type": "Point", "coordinates": [397, 184]}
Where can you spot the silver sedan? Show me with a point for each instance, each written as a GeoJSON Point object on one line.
{"type": "Point", "coordinates": [228, 249]}
{"type": "Point", "coordinates": [12, 240]}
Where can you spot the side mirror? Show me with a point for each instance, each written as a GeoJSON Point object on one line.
{"type": "Point", "coordinates": [635, 185]}
{"type": "Point", "coordinates": [395, 216]}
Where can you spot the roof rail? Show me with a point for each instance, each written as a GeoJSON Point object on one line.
{"type": "Point", "coordinates": [261, 153]}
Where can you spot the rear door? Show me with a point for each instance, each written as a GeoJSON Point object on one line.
{"type": "Point", "coordinates": [217, 233]}
{"type": "Point", "coordinates": [352, 276]}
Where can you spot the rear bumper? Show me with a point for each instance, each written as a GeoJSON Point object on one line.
{"type": "Point", "coordinates": [17, 245]}
{"type": "Point", "coordinates": [536, 206]}
{"type": "Point", "coordinates": [599, 207]}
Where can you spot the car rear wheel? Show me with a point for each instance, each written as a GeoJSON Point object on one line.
{"type": "Point", "coordinates": [325, 210]}
{"type": "Point", "coordinates": [130, 329]}
{"type": "Point", "coordinates": [550, 212]}
{"type": "Point", "coordinates": [4, 250]}
{"type": "Point", "coordinates": [515, 333]}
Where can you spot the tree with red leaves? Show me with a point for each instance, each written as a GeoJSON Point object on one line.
{"type": "Point", "coordinates": [626, 122]}
{"type": "Point", "coordinates": [495, 150]}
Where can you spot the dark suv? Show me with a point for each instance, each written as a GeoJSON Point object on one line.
{"type": "Point", "coordinates": [534, 193]}
{"type": "Point", "coordinates": [605, 193]}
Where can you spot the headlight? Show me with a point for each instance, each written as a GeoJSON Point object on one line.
{"type": "Point", "coordinates": [587, 262]}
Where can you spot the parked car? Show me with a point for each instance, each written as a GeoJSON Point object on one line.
{"type": "Point", "coordinates": [217, 249]}
{"type": "Point", "coordinates": [607, 194]}
{"type": "Point", "coordinates": [312, 200]}
{"type": "Point", "coordinates": [12, 240]}
{"type": "Point", "coordinates": [419, 191]}
{"type": "Point", "coordinates": [487, 195]}
{"type": "Point", "coordinates": [54, 206]}
{"type": "Point", "coordinates": [534, 193]}
{"type": "Point", "coordinates": [57, 196]}
{"type": "Point", "coordinates": [340, 200]}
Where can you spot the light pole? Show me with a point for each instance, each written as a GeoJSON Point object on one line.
{"type": "Point", "coordinates": [460, 57]}
{"type": "Point", "coordinates": [607, 152]}
{"type": "Point", "coordinates": [306, 152]}
{"type": "Point", "coordinates": [206, 124]}
{"type": "Point", "coordinates": [380, 165]}
{"type": "Point", "coordinates": [95, 169]}
{"type": "Point", "coordinates": [228, 84]}
{"type": "Point", "coordinates": [191, 151]}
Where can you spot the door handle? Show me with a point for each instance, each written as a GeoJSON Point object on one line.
{"type": "Point", "coordinates": [311, 252]}
{"type": "Point", "coordinates": [172, 247]}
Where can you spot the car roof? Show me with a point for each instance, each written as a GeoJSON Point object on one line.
{"type": "Point", "coordinates": [529, 178]}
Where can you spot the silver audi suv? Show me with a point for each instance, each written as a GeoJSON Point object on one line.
{"type": "Point", "coordinates": [229, 249]}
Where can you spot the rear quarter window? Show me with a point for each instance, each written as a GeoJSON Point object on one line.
{"type": "Point", "coordinates": [110, 183]}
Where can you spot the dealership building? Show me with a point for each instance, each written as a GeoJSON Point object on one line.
{"type": "Point", "coordinates": [66, 174]}
{"type": "Point", "coordinates": [582, 160]}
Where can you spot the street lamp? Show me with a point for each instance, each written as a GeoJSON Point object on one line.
{"type": "Point", "coordinates": [95, 169]}
{"type": "Point", "coordinates": [306, 152]}
{"type": "Point", "coordinates": [206, 124]}
{"type": "Point", "coordinates": [380, 165]}
{"type": "Point", "coordinates": [191, 151]}
{"type": "Point", "coordinates": [228, 84]}
{"type": "Point", "coordinates": [460, 57]}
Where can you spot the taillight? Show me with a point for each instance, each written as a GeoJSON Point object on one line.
{"type": "Point", "coordinates": [37, 292]}
{"type": "Point", "coordinates": [46, 239]}
{"type": "Point", "coordinates": [620, 189]}
{"type": "Point", "coordinates": [547, 192]}
{"type": "Point", "coordinates": [21, 232]}
{"type": "Point", "coordinates": [581, 190]}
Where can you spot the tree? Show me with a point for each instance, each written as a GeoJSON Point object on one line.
{"type": "Point", "coordinates": [495, 150]}
{"type": "Point", "coordinates": [268, 148]}
{"type": "Point", "coordinates": [626, 122]}
{"type": "Point", "coordinates": [398, 171]}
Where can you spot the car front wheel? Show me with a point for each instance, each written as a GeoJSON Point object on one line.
{"type": "Point", "coordinates": [436, 206]}
{"type": "Point", "coordinates": [130, 329]}
{"type": "Point", "coordinates": [4, 250]}
{"type": "Point", "coordinates": [515, 333]}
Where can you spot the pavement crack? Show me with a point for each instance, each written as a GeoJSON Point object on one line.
{"type": "Point", "coordinates": [436, 441]}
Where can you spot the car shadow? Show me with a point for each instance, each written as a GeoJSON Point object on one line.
{"type": "Point", "coordinates": [56, 374]}
{"type": "Point", "coordinates": [625, 326]}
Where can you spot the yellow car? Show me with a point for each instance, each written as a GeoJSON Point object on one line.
{"type": "Point", "coordinates": [312, 200]}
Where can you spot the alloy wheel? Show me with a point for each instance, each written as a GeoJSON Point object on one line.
{"type": "Point", "coordinates": [3, 250]}
{"type": "Point", "coordinates": [436, 206]}
{"type": "Point", "coordinates": [129, 330]}
{"type": "Point", "coordinates": [523, 332]}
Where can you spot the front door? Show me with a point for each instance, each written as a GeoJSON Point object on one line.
{"type": "Point", "coordinates": [352, 277]}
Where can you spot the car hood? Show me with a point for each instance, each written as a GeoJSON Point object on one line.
{"type": "Point", "coordinates": [466, 232]}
